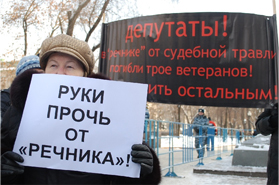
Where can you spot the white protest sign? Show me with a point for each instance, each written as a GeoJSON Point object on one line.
{"type": "Point", "coordinates": [82, 124]}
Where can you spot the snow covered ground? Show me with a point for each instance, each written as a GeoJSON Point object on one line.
{"type": "Point", "coordinates": [186, 176]}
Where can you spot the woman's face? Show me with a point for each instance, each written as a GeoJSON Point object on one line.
{"type": "Point", "coordinates": [60, 63]}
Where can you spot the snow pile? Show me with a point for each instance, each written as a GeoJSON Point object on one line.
{"type": "Point", "coordinates": [259, 142]}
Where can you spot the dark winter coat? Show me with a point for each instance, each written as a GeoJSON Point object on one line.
{"type": "Point", "coordinates": [200, 122]}
{"type": "Point", "coordinates": [265, 126]}
{"type": "Point", "coordinates": [5, 101]}
{"type": "Point", "coordinates": [34, 175]}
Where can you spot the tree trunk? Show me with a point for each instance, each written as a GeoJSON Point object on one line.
{"type": "Point", "coordinates": [96, 47]}
{"type": "Point", "coordinates": [187, 117]}
{"type": "Point", "coordinates": [25, 36]}
{"type": "Point", "coordinates": [176, 127]}
{"type": "Point", "coordinates": [97, 21]}
{"type": "Point", "coordinates": [226, 118]}
{"type": "Point", "coordinates": [73, 18]}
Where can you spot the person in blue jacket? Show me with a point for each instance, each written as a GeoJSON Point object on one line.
{"type": "Point", "coordinates": [200, 125]}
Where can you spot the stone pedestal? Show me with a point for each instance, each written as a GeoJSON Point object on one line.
{"type": "Point", "coordinates": [253, 152]}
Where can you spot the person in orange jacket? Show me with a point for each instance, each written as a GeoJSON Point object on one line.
{"type": "Point", "coordinates": [210, 134]}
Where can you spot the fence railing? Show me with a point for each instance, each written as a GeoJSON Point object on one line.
{"type": "Point", "coordinates": [179, 143]}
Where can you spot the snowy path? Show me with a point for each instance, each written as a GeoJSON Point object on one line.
{"type": "Point", "coordinates": [190, 178]}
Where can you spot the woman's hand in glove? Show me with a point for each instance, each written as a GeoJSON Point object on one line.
{"type": "Point", "coordinates": [9, 166]}
{"type": "Point", "coordinates": [141, 154]}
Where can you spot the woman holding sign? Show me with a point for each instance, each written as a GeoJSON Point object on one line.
{"type": "Point", "coordinates": [65, 55]}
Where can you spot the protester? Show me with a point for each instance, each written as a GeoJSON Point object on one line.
{"type": "Point", "coordinates": [200, 125]}
{"type": "Point", "coordinates": [211, 131]}
{"type": "Point", "coordinates": [66, 55]}
{"type": "Point", "coordinates": [27, 62]}
{"type": "Point", "coordinates": [266, 124]}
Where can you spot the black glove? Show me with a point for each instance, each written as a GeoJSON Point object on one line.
{"type": "Point", "coordinates": [9, 166]}
{"type": "Point", "coordinates": [141, 154]}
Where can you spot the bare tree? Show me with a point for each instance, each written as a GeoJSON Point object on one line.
{"type": "Point", "coordinates": [64, 16]}
{"type": "Point", "coordinates": [73, 15]}
{"type": "Point", "coordinates": [235, 116]}
{"type": "Point", "coordinates": [92, 28]}
{"type": "Point", "coordinates": [24, 13]}
{"type": "Point", "coordinates": [55, 16]}
{"type": "Point", "coordinates": [99, 11]}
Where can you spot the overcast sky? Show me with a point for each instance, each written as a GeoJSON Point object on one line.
{"type": "Point", "coordinates": [153, 7]}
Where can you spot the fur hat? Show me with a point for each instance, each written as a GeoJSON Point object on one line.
{"type": "Point", "coordinates": [28, 62]}
{"type": "Point", "coordinates": [69, 45]}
